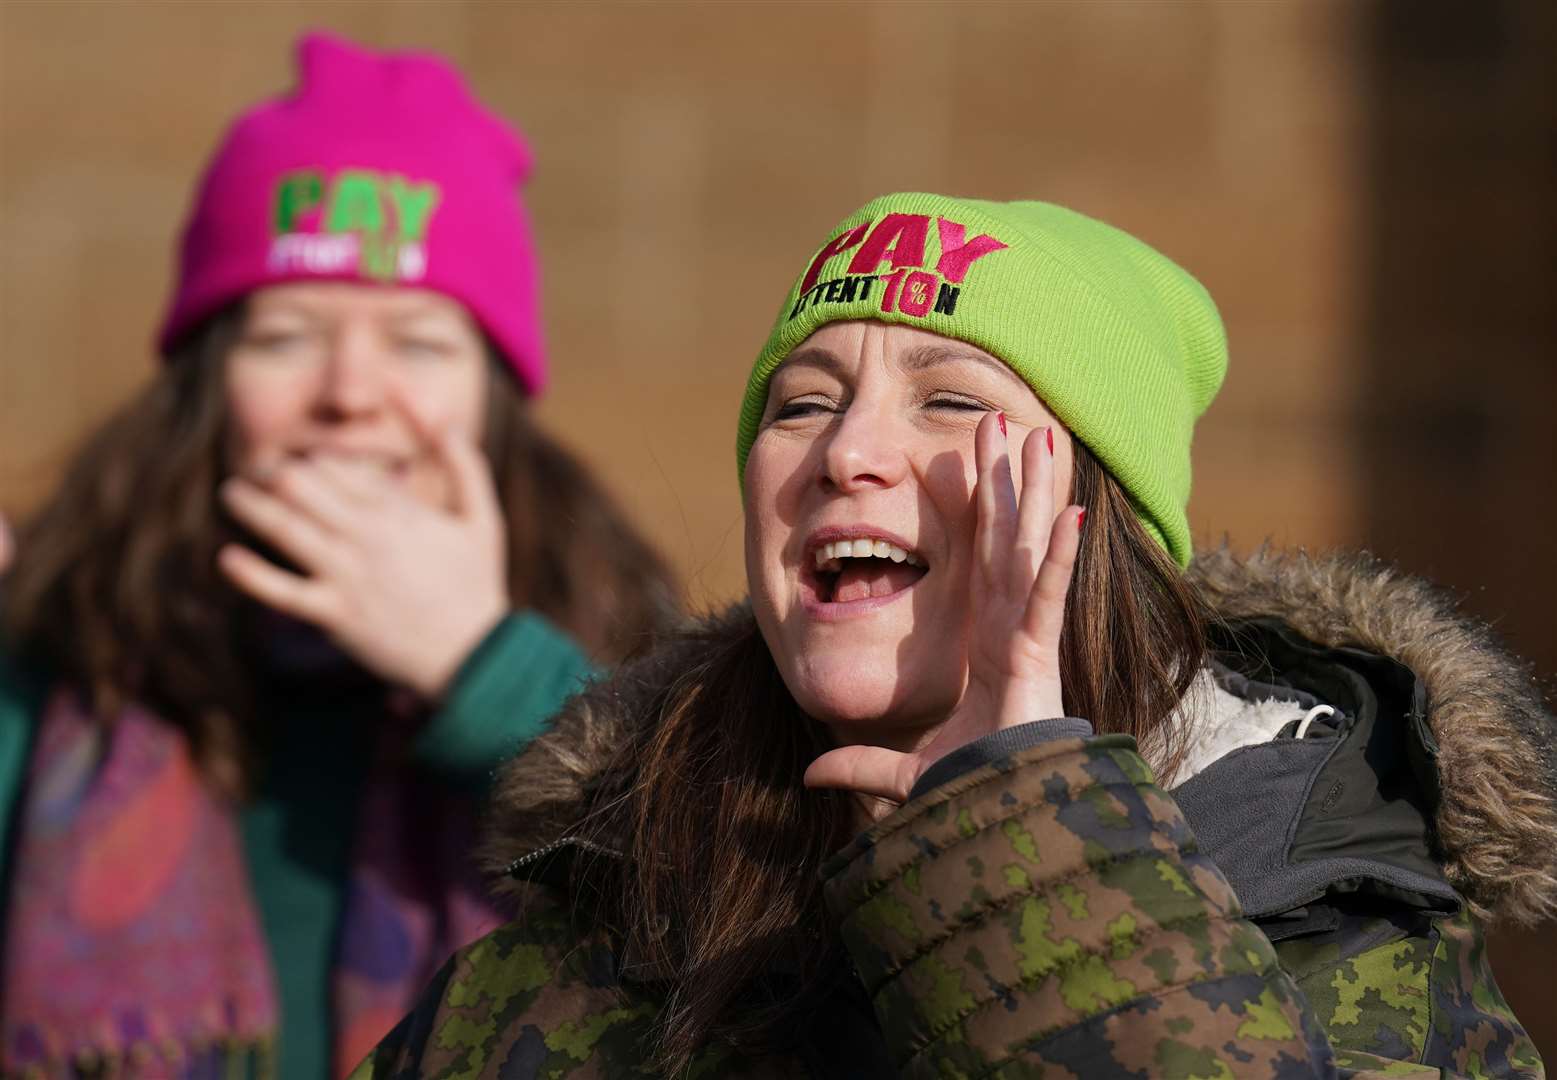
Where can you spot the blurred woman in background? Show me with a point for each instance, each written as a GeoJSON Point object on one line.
{"type": "Point", "coordinates": [290, 605]}
{"type": "Point", "coordinates": [1108, 817]}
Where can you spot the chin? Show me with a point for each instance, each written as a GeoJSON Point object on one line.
{"type": "Point", "coordinates": [864, 691]}
{"type": "Point", "coordinates": [853, 707]}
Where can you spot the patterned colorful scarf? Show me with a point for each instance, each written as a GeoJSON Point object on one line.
{"type": "Point", "coordinates": [133, 944]}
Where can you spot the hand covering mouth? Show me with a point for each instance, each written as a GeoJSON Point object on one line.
{"type": "Point", "coordinates": [394, 466]}
{"type": "Point", "coordinates": [862, 568]}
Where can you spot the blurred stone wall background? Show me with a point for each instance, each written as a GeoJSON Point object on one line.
{"type": "Point", "coordinates": [1365, 187]}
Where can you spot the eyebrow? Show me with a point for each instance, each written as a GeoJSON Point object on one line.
{"type": "Point", "coordinates": [812, 356]}
{"type": "Point", "coordinates": [923, 356]}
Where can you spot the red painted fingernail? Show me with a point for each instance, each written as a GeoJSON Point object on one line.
{"type": "Point", "coordinates": [1081, 516]}
{"type": "Point", "coordinates": [1001, 417]}
{"type": "Point", "coordinates": [1049, 435]}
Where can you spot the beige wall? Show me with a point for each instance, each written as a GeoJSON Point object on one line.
{"type": "Point", "coordinates": [691, 154]}
{"type": "Point", "coordinates": [688, 157]}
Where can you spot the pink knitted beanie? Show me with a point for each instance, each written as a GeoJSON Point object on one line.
{"type": "Point", "coordinates": [378, 168]}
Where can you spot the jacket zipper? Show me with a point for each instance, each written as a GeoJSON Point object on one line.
{"type": "Point", "coordinates": [513, 868]}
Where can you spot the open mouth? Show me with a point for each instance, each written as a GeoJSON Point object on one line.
{"type": "Point", "coordinates": [859, 568]}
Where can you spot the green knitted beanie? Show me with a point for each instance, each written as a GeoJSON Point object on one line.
{"type": "Point", "coordinates": [1120, 343]}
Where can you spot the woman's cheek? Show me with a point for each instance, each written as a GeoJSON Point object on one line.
{"type": "Point", "coordinates": [274, 387]}
{"type": "Point", "coordinates": [451, 395]}
{"type": "Point", "coordinates": [263, 416]}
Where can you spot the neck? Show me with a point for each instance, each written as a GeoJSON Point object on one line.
{"type": "Point", "coordinates": [880, 731]}
{"type": "Point", "coordinates": [893, 735]}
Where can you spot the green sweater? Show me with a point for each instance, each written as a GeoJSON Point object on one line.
{"type": "Point", "coordinates": [298, 831]}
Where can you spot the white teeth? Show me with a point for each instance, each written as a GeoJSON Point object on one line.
{"type": "Point", "coordinates": [862, 549]}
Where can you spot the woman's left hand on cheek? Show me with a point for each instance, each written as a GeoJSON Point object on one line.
{"type": "Point", "coordinates": [1023, 558]}
{"type": "Point", "coordinates": [407, 588]}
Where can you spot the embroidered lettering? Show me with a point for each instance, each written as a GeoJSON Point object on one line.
{"type": "Point", "coordinates": [918, 291]}
{"type": "Point", "coordinates": [946, 299]}
{"type": "Point", "coordinates": [957, 256]}
{"type": "Point", "coordinates": [314, 253]}
{"type": "Point", "coordinates": [414, 204]}
{"type": "Point", "coordinates": [844, 290]}
{"type": "Point", "coordinates": [296, 194]}
{"type": "Point", "coordinates": [837, 245]}
{"type": "Point", "coordinates": [354, 203]}
{"type": "Point", "coordinates": [380, 257]}
{"type": "Point", "coordinates": [372, 224]}
{"type": "Point", "coordinates": [900, 239]}
{"type": "Point", "coordinates": [889, 291]}
{"type": "Point", "coordinates": [412, 263]}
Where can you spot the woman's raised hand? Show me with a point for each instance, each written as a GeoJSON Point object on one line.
{"type": "Point", "coordinates": [407, 588]}
{"type": "Point", "coordinates": [1023, 559]}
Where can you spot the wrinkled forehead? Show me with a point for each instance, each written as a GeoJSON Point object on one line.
{"type": "Point", "coordinates": [839, 347]}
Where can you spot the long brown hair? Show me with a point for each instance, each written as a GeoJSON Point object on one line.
{"type": "Point", "coordinates": [115, 588]}
{"type": "Point", "coordinates": [725, 845]}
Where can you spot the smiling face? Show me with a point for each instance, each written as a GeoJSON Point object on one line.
{"type": "Point", "coordinates": [860, 519]}
{"type": "Point", "coordinates": [320, 368]}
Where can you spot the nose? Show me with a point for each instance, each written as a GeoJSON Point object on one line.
{"type": "Point", "coordinates": [862, 451]}
{"type": "Point", "coordinates": [353, 385]}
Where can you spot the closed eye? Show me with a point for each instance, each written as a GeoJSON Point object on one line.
{"type": "Point", "coordinates": [792, 410]}
{"type": "Point", "coordinates": [958, 404]}
{"type": "Point", "coordinates": [276, 343]}
{"type": "Point", "coordinates": [423, 348]}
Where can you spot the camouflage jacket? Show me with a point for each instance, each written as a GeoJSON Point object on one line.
{"type": "Point", "coordinates": [1307, 904]}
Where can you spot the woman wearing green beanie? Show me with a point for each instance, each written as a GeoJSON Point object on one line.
{"type": "Point", "coordinates": [990, 778]}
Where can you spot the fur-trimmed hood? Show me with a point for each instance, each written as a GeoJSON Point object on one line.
{"type": "Point", "coordinates": [1496, 818]}
{"type": "Point", "coordinates": [1497, 745]}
